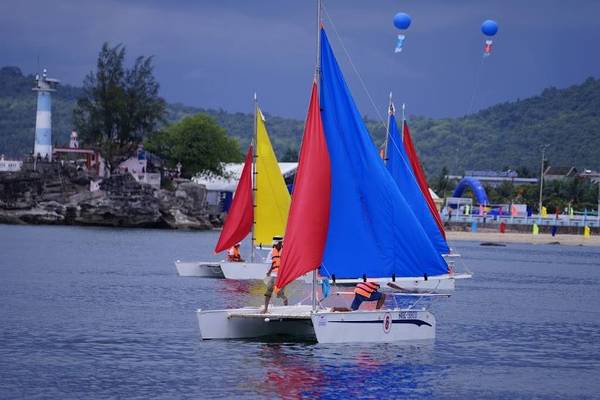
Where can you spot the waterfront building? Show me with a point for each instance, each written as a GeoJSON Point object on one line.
{"type": "Point", "coordinates": [138, 166]}
{"type": "Point", "coordinates": [9, 165]}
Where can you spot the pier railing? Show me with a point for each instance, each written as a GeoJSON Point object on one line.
{"type": "Point", "coordinates": [550, 220]}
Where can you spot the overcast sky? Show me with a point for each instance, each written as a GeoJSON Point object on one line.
{"type": "Point", "coordinates": [217, 53]}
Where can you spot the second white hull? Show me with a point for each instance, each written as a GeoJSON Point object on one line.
{"type": "Point", "coordinates": [244, 270]}
{"type": "Point", "coordinates": [252, 271]}
{"type": "Point", "coordinates": [248, 323]}
{"type": "Point", "coordinates": [199, 269]}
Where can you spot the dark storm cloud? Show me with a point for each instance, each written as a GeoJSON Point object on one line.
{"type": "Point", "coordinates": [217, 53]}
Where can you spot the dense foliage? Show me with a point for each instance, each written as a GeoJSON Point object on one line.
{"type": "Point", "coordinates": [119, 106]}
{"type": "Point", "coordinates": [506, 135]}
{"type": "Point", "coordinates": [510, 134]}
{"type": "Point", "coordinates": [198, 143]}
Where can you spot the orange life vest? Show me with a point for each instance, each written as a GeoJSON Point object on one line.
{"type": "Point", "coordinates": [234, 254]}
{"type": "Point", "coordinates": [366, 289]}
{"type": "Point", "coordinates": [275, 259]}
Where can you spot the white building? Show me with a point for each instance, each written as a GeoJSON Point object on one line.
{"type": "Point", "coordinates": [138, 168]}
{"type": "Point", "coordinates": [220, 189]}
{"type": "Point", "coordinates": [10, 165]}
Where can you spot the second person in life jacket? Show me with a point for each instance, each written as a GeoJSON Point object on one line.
{"type": "Point", "coordinates": [367, 291]}
{"type": "Point", "coordinates": [233, 254]}
{"type": "Point", "coordinates": [364, 291]}
{"type": "Point", "coordinates": [272, 273]}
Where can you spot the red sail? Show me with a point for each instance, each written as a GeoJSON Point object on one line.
{"type": "Point", "coordinates": [309, 212]}
{"type": "Point", "coordinates": [239, 220]}
{"type": "Point", "coordinates": [420, 175]}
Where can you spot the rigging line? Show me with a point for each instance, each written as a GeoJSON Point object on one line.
{"type": "Point", "coordinates": [362, 82]}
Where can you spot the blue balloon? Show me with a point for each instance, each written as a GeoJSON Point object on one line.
{"type": "Point", "coordinates": [402, 20]}
{"type": "Point", "coordinates": [489, 27]}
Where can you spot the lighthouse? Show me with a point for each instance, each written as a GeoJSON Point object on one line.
{"type": "Point", "coordinates": [43, 121]}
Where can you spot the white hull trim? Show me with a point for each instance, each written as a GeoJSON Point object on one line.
{"type": "Point", "coordinates": [323, 326]}
{"type": "Point", "coordinates": [204, 269]}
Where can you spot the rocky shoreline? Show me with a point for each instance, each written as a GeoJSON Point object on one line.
{"type": "Point", "coordinates": [60, 195]}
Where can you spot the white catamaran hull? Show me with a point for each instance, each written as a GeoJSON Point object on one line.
{"type": "Point", "coordinates": [322, 326]}
{"type": "Point", "coordinates": [373, 326]}
{"type": "Point", "coordinates": [203, 269]}
{"type": "Point", "coordinates": [251, 271]}
{"type": "Point", "coordinates": [247, 323]}
{"type": "Point", "coordinates": [244, 270]}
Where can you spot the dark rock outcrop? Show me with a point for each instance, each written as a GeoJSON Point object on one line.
{"type": "Point", "coordinates": [61, 195]}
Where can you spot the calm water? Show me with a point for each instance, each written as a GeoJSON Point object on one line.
{"type": "Point", "coordinates": [101, 313]}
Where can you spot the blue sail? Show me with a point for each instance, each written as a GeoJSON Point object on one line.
{"type": "Point", "coordinates": [401, 171]}
{"type": "Point", "coordinates": [372, 229]}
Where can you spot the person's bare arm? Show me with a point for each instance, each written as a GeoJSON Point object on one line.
{"type": "Point", "coordinates": [270, 270]}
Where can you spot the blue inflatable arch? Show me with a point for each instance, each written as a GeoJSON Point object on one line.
{"type": "Point", "coordinates": [476, 187]}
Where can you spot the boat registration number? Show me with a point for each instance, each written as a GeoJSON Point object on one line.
{"type": "Point", "coordinates": [407, 315]}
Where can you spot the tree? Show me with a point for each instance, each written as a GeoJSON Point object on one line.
{"type": "Point", "coordinates": [119, 107]}
{"type": "Point", "coordinates": [290, 155]}
{"type": "Point", "coordinates": [198, 143]}
{"type": "Point", "coordinates": [441, 183]}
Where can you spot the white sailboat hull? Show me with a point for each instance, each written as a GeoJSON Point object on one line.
{"type": "Point", "coordinates": [244, 270]}
{"type": "Point", "coordinates": [380, 326]}
{"type": "Point", "coordinates": [252, 271]}
{"type": "Point", "coordinates": [248, 323]}
{"type": "Point", "coordinates": [204, 269]}
{"type": "Point", "coordinates": [323, 326]}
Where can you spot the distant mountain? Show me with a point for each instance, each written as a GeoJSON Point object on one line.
{"type": "Point", "coordinates": [505, 135]}
{"type": "Point", "coordinates": [510, 134]}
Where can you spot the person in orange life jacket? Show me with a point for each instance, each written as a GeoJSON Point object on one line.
{"type": "Point", "coordinates": [272, 273]}
{"type": "Point", "coordinates": [233, 254]}
{"type": "Point", "coordinates": [367, 291]}
{"type": "Point", "coordinates": [364, 291]}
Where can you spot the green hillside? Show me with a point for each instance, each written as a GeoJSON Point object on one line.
{"type": "Point", "coordinates": [505, 135]}
{"type": "Point", "coordinates": [510, 134]}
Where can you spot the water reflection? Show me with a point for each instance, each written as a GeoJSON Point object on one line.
{"type": "Point", "coordinates": [294, 371]}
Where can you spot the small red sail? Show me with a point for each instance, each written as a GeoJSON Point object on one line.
{"type": "Point", "coordinates": [308, 219]}
{"type": "Point", "coordinates": [239, 220]}
{"type": "Point", "coordinates": [415, 163]}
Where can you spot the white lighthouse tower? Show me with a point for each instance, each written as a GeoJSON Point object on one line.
{"type": "Point", "coordinates": [43, 122]}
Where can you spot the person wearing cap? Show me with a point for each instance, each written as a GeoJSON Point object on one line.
{"type": "Point", "coordinates": [233, 254]}
{"type": "Point", "coordinates": [275, 256]}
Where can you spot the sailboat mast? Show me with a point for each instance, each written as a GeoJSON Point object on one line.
{"type": "Point", "coordinates": [255, 141]}
{"type": "Point", "coordinates": [403, 120]}
{"type": "Point", "coordinates": [317, 79]}
{"type": "Point", "coordinates": [387, 131]}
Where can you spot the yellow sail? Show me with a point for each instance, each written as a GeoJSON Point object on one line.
{"type": "Point", "coordinates": [272, 197]}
